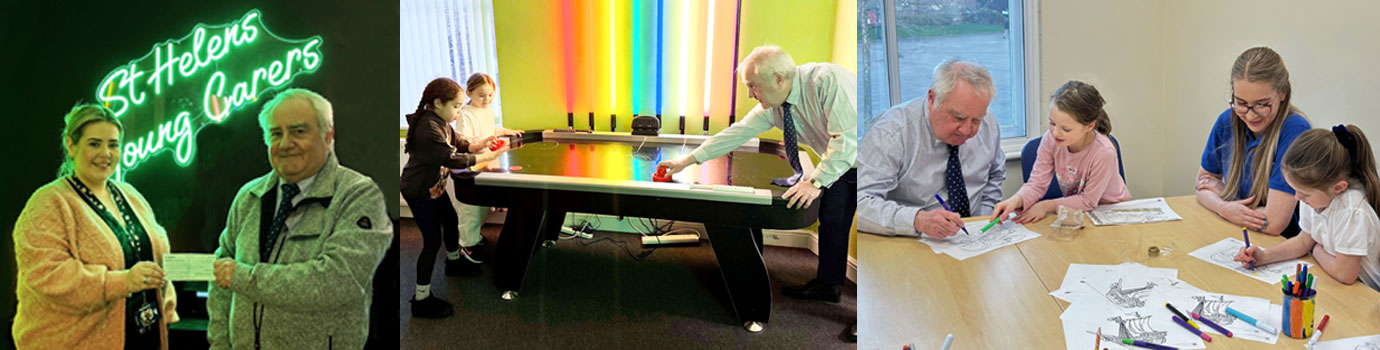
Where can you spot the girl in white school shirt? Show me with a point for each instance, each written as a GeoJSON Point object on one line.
{"type": "Point", "coordinates": [1334, 176]}
{"type": "Point", "coordinates": [476, 122]}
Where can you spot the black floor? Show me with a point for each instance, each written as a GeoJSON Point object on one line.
{"type": "Point", "coordinates": [591, 294]}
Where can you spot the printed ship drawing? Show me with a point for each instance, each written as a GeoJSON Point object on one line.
{"type": "Point", "coordinates": [1138, 327]}
{"type": "Point", "coordinates": [1214, 309]}
{"type": "Point", "coordinates": [1129, 298]}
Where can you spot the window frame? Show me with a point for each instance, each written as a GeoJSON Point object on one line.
{"type": "Point", "coordinates": [1027, 28]}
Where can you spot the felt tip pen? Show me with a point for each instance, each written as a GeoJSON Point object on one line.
{"type": "Point", "coordinates": [1248, 245]}
{"type": "Point", "coordinates": [1318, 333]}
{"type": "Point", "coordinates": [1098, 344]}
{"type": "Point", "coordinates": [1252, 321]}
{"type": "Point", "coordinates": [1146, 345]}
{"type": "Point", "coordinates": [1182, 316]}
{"type": "Point", "coordinates": [1195, 331]}
{"type": "Point", "coordinates": [948, 341]}
{"type": "Point", "coordinates": [994, 222]}
{"type": "Point", "coordinates": [946, 207]}
{"type": "Point", "coordinates": [1214, 325]}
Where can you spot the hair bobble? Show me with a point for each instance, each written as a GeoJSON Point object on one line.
{"type": "Point", "coordinates": [1345, 137]}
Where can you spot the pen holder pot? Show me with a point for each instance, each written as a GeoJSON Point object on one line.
{"type": "Point", "coordinates": [1298, 316]}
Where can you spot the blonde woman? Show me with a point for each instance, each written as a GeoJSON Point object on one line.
{"type": "Point", "coordinates": [88, 249]}
{"type": "Point", "coordinates": [1240, 178]}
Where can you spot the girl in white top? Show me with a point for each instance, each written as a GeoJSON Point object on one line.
{"type": "Point", "coordinates": [1334, 176]}
{"type": "Point", "coordinates": [476, 122]}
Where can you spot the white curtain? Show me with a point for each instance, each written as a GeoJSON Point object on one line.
{"type": "Point", "coordinates": [444, 38]}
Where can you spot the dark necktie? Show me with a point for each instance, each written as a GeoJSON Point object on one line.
{"type": "Point", "coordinates": [792, 149]}
{"type": "Point", "coordinates": [953, 179]}
{"type": "Point", "coordinates": [268, 239]}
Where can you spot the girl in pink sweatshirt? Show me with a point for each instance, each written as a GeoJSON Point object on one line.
{"type": "Point", "coordinates": [1077, 152]}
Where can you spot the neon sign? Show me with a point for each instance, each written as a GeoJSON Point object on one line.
{"type": "Point", "coordinates": [183, 85]}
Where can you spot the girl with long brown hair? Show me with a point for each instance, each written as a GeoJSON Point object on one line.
{"type": "Point", "coordinates": [1333, 173]}
{"type": "Point", "coordinates": [1239, 178]}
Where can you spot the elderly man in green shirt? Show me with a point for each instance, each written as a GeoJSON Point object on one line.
{"type": "Point", "coordinates": [301, 243]}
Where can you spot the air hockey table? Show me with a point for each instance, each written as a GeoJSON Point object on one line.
{"type": "Point", "coordinates": [550, 173]}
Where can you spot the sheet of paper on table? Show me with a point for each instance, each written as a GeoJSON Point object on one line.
{"type": "Point", "coordinates": [1222, 253]}
{"type": "Point", "coordinates": [1138, 211]}
{"type": "Point", "coordinates": [1127, 301]}
{"type": "Point", "coordinates": [189, 266]}
{"type": "Point", "coordinates": [1369, 342]}
{"type": "Point", "coordinates": [963, 246]}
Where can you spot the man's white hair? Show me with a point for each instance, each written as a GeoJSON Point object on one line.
{"type": "Point", "coordinates": [768, 60]}
{"type": "Point", "coordinates": [325, 115]}
{"type": "Point", "coordinates": [948, 73]}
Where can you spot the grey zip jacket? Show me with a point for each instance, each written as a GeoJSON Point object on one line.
{"type": "Point", "coordinates": [316, 290]}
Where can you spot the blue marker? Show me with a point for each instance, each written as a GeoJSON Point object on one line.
{"type": "Point", "coordinates": [1252, 321]}
{"type": "Point", "coordinates": [946, 207]}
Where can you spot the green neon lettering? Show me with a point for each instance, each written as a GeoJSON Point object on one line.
{"type": "Point", "coordinates": [177, 131]}
{"type": "Point", "coordinates": [275, 73]}
{"type": "Point", "coordinates": [186, 64]}
{"type": "Point", "coordinates": [129, 81]}
{"type": "Point", "coordinates": [313, 59]}
{"type": "Point", "coordinates": [202, 46]}
{"type": "Point", "coordinates": [250, 31]}
{"type": "Point", "coordinates": [115, 102]}
{"type": "Point", "coordinates": [160, 67]}
{"type": "Point", "coordinates": [213, 47]}
{"type": "Point", "coordinates": [218, 81]}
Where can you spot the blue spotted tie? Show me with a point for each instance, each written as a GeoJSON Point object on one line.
{"type": "Point", "coordinates": [953, 179]}
{"type": "Point", "coordinates": [268, 239]}
{"type": "Point", "coordinates": [792, 149]}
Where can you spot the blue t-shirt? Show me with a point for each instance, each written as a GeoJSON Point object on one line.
{"type": "Point", "coordinates": [1217, 157]}
{"type": "Point", "coordinates": [1217, 153]}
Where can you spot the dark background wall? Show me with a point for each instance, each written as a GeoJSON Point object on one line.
{"type": "Point", "coordinates": [55, 53]}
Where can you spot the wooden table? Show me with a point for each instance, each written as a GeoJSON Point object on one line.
{"type": "Point", "coordinates": [907, 294]}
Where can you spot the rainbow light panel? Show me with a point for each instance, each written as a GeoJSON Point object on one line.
{"type": "Point", "coordinates": [634, 57]}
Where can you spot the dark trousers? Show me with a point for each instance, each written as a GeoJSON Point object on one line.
{"type": "Point", "coordinates": [837, 204]}
{"type": "Point", "coordinates": [383, 314]}
{"type": "Point", "coordinates": [439, 225]}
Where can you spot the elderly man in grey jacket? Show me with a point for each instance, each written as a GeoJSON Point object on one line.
{"type": "Point", "coordinates": [297, 257]}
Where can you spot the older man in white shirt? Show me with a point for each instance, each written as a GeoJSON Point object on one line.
{"type": "Point", "coordinates": [946, 144]}
{"type": "Point", "coordinates": [814, 103]}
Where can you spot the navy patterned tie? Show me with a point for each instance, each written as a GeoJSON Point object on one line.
{"type": "Point", "coordinates": [953, 179]}
{"type": "Point", "coordinates": [792, 149]}
{"type": "Point", "coordinates": [268, 239]}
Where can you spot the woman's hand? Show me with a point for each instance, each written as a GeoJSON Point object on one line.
{"type": "Point", "coordinates": [1240, 215]}
{"type": "Point", "coordinates": [143, 276]}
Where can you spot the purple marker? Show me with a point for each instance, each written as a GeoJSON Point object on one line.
{"type": "Point", "coordinates": [1248, 245]}
{"type": "Point", "coordinates": [1208, 322]}
{"type": "Point", "coordinates": [1181, 322]}
{"type": "Point", "coordinates": [946, 207]}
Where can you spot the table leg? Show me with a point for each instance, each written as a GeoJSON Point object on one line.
{"type": "Point", "coordinates": [523, 230]}
{"type": "Point", "coordinates": [744, 273]}
{"type": "Point", "coordinates": [757, 236]}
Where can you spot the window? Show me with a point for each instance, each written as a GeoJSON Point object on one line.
{"type": "Point", "coordinates": [444, 38]}
{"type": "Point", "coordinates": [901, 41]}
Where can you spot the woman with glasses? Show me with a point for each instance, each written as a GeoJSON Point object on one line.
{"type": "Point", "coordinates": [1240, 178]}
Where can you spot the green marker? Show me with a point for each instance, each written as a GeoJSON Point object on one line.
{"type": "Point", "coordinates": [995, 221]}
